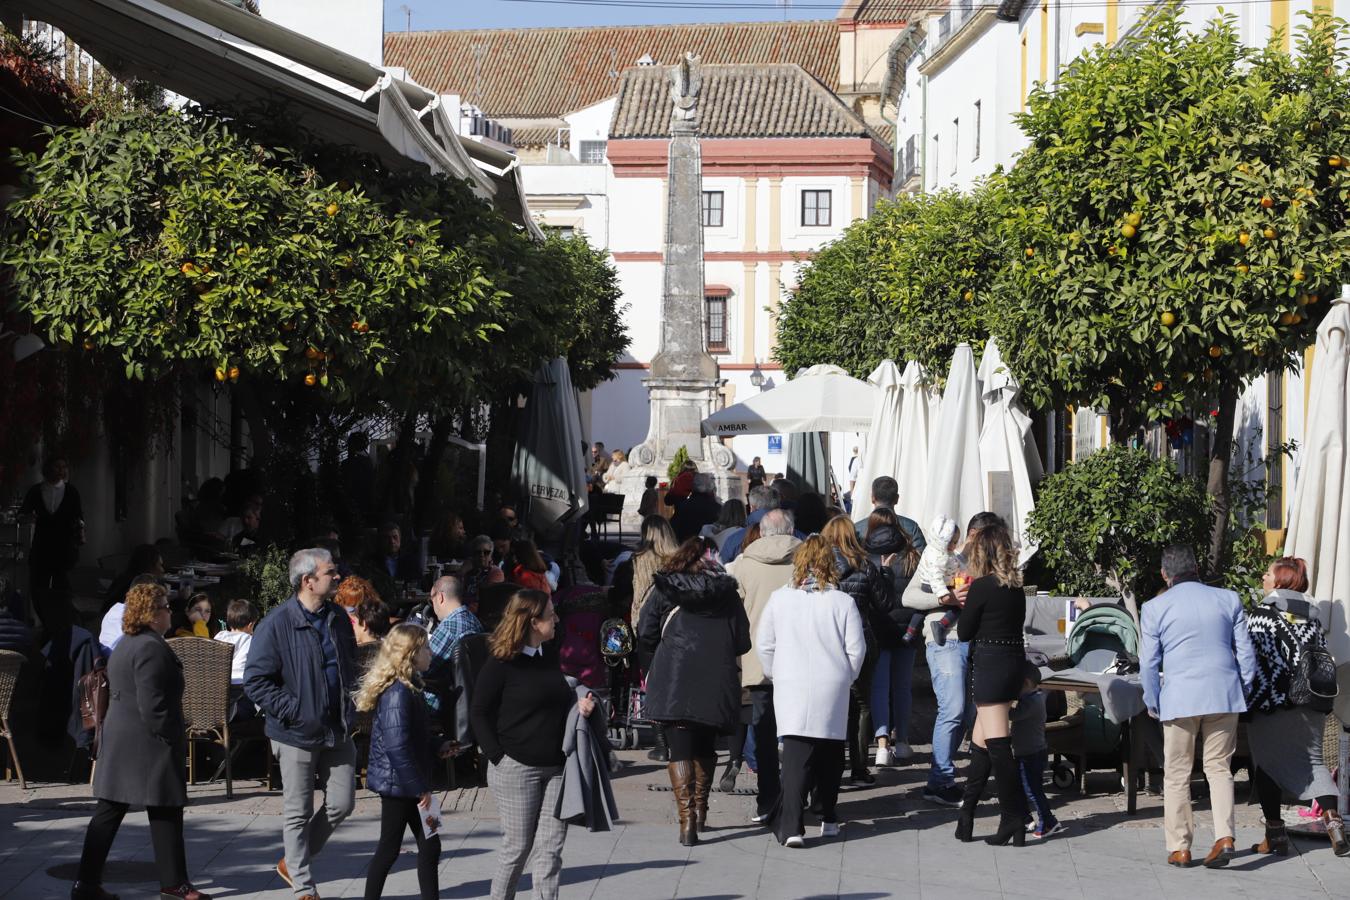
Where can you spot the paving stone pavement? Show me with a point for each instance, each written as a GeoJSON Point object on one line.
{"type": "Point", "coordinates": [893, 845]}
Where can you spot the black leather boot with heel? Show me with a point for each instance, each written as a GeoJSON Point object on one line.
{"type": "Point", "coordinates": [1012, 801]}
{"type": "Point", "coordinates": [977, 776]}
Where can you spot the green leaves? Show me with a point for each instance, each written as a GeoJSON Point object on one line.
{"type": "Point", "coordinates": [1186, 224]}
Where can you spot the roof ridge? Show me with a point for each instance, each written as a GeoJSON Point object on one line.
{"type": "Point", "coordinates": [775, 23]}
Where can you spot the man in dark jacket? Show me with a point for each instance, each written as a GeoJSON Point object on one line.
{"type": "Point", "coordinates": [696, 510]}
{"type": "Point", "coordinates": [885, 495]}
{"type": "Point", "coordinates": [301, 672]}
{"type": "Point", "coordinates": [58, 531]}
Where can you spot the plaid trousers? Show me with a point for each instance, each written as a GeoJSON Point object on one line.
{"type": "Point", "coordinates": [526, 798]}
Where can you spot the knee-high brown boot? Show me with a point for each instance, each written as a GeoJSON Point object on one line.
{"type": "Point", "coordinates": [705, 767]}
{"type": "Point", "coordinates": [682, 783]}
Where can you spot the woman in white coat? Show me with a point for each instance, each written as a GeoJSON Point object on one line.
{"type": "Point", "coordinates": [810, 641]}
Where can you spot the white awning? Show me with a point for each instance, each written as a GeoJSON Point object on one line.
{"type": "Point", "coordinates": [218, 55]}
{"type": "Point", "coordinates": [821, 398]}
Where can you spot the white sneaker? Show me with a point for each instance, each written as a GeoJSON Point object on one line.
{"type": "Point", "coordinates": [902, 751]}
{"type": "Point", "coordinates": [829, 829]}
{"type": "Point", "coordinates": [883, 756]}
{"type": "Point", "coordinates": [796, 842]}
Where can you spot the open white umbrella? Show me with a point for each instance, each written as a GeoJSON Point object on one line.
{"type": "Point", "coordinates": [1319, 519]}
{"type": "Point", "coordinates": [821, 398]}
{"type": "Point", "coordinates": [1009, 463]}
{"type": "Point", "coordinates": [955, 482]}
{"type": "Point", "coordinates": [549, 470]}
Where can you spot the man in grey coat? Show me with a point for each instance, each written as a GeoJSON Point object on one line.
{"type": "Point", "coordinates": [1198, 636]}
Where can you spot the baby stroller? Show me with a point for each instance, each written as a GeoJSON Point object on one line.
{"type": "Point", "coordinates": [1086, 739]}
{"type": "Point", "coordinates": [617, 647]}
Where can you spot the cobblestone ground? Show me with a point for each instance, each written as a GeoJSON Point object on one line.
{"type": "Point", "coordinates": [893, 844]}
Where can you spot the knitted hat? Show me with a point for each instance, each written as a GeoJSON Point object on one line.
{"type": "Point", "coordinates": [941, 531]}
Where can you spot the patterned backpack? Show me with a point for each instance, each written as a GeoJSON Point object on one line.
{"type": "Point", "coordinates": [1293, 667]}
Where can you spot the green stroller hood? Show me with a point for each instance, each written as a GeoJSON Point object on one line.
{"type": "Point", "coordinates": [1098, 634]}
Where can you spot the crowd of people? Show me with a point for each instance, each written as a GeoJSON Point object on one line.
{"type": "Point", "coordinates": [776, 624]}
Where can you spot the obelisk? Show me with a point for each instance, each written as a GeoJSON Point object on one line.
{"type": "Point", "coordinates": [684, 381]}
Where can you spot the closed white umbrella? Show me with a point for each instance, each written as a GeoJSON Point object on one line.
{"type": "Point", "coordinates": [955, 486]}
{"type": "Point", "coordinates": [1009, 463]}
{"type": "Point", "coordinates": [821, 398]}
{"type": "Point", "coordinates": [1319, 519]}
{"type": "Point", "coordinates": [883, 439]}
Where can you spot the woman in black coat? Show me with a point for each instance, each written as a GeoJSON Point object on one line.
{"type": "Point", "coordinates": [143, 751]}
{"type": "Point", "coordinates": [691, 635]}
{"type": "Point", "coordinates": [871, 588]}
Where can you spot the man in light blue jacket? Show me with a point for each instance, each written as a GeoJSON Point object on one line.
{"type": "Point", "coordinates": [1197, 635]}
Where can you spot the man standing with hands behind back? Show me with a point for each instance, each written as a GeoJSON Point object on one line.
{"type": "Point", "coordinates": [1197, 635]}
{"type": "Point", "coordinates": [308, 718]}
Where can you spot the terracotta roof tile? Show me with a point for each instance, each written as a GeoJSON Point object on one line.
{"type": "Point", "coordinates": [736, 101]}
{"type": "Point", "coordinates": [888, 11]}
{"type": "Point", "coordinates": [549, 72]}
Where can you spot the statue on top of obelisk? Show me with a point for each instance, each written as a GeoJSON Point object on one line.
{"type": "Point", "coordinates": [684, 381]}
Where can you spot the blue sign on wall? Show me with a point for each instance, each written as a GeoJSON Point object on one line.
{"type": "Point", "coordinates": [775, 443]}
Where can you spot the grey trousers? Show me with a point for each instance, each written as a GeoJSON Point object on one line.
{"type": "Point", "coordinates": [305, 831]}
{"type": "Point", "coordinates": [526, 798]}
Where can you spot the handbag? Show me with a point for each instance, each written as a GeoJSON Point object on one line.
{"type": "Point", "coordinates": [1312, 670]}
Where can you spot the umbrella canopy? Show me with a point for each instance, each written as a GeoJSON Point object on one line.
{"type": "Point", "coordinates": [1009, 463]}
{"type": "Point", "coordinates": [897, 445]}
{"type": "Point", "coordinates": [549, 469]}
{"type": "Point", "coordinates": [955, 482]}
{"type": "Point", "coordinates": [808, 465]}
{"type": "Point", "coordinates": [821, 398]}
{"type": "Point", "coordinates": [1319, 519]}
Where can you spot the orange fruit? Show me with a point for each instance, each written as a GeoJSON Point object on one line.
{"type": "Point", "coordinates": [1267, 202]}
{"type": "Point", "coordinates": [331, 209]}
{"type": "Point", "coordinates": [1298, 319]}
{"type": "Point", "coordinates": [311, 379]}
{"type": "Point", "coordinates": [88, 344]}
{"type": "Point", "coordinates": [1335, 162]}
{"type": "Point", "coordinates": [1268, 233]}
{"type": "Point", "coordinates": [1244, 238]}
{"type": "Point", "coordinates": [1168, 318]}
{"type": "Point", "coordinates": [187, 268]}
{"type": "Point", "coordinates": [234, 373]}
{"type": "Point", "coordinates": [1031, 251]}
{"type": "Point", "coordinates": [1133, 219]}
{"type": "Point", "coordinates": [1243, 268]}
{"type": "Point", "coordinates": [968, 295]}
{"type": "Point", "coordinates": [1286, 318]}
{"type": "Point", "coordinates": [220, 374]}
{"type": "Point", "coordinates": [1157, 387]}
{"type": "Point", "coordinates": [1127, 231]}
{"type": "Point", "coordinates": [1298, 275]}
{"type": "Point", "coordinates": [311, 353]}
{"type": "Point", "coordinates": [1215, 352]}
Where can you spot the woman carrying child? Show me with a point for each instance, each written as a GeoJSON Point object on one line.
{"type": "Point", "coordinates": [401, 755]}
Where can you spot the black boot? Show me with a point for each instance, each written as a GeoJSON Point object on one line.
{"type": "Point", "coordinates": [728, 782]}
{"type": "Point", "coordinates": [977, 776]}
{"type": "Point", "coordinates": [1012, 800]}
{"type": "Point", "coordinates": [660, 752]}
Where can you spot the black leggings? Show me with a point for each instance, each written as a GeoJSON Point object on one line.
{"type": "Point", "coordinates": [166, 834]}
{"type": "Point", "coordinates": [1270, 794]}
{"type": "Point", "coordinates": [689, 742]}
{"type": "Point", "coordinates": [396, 814]}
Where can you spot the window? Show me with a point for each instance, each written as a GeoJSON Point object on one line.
{"type": "Point", "coordinates": [712, 209]}
{"type": "Point", "coordinates": [977, 131]}
{"type": "Point", "coordinates": [592, 152]}
{"type": "Point", "coordinates": [956, 143]}
{"type": "Point", "coordinates": [815, 207]}
{"type": "Point", "coordinates": [562, 231]}
{"type": "Point", "coordinates": [715, 308]}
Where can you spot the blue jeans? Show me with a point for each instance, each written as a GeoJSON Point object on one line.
{"type": "Point", "coordinates": [891, 692]}
{"type": "Point", "coordinates": [1032, 768]}
{"type": "Point", "coordinates": [947, 666]}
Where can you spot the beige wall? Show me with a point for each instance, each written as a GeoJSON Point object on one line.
{"type": "Point", "coordinates": [862, 57]}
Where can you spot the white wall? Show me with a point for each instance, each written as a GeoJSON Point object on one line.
{"type": "Point", "coordinates": [352, 26]}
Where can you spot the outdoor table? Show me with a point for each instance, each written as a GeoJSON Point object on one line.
{"type": "Point", "coordinates": [1116, 693]}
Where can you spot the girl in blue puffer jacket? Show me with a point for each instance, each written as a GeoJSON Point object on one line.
{"type": "Point", "coordinates": [401, 756]}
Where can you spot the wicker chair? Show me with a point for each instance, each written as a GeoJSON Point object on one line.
{"type": "Point", "coordinates": [206, 699]}
{"type": "Point", "coordinates": [10, 664]}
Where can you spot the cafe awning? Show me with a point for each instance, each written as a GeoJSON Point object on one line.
{"type": "Point", "coordinates": [217, 55]}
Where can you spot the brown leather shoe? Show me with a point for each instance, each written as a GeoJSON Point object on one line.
{"type": "Point", "coordinates": [1221, 855]}
{"type": "Point", "coordinates": [1179, 858]}
{"type": "Point", "coordinates": [284, 872]}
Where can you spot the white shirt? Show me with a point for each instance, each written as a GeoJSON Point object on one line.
{"type": "Point", "coordinates": [854, 467]}
{"type": "Point", "coordinates": [242, 640]}
{"type": "Point", "coordinates": [530, 651]}
{"type": "Point", "coordinates": [110, 631]}
{"type": "Point", "coordinates": [52, 495]}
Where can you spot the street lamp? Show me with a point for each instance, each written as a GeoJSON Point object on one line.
{"type": "Point", "coordinates": [756, 376]}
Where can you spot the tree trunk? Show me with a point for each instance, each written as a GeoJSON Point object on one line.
{"type": "Point", "coordinates": [1220, 459]}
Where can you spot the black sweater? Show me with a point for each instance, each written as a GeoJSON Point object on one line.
{"type": "Point", "coordinates": [992, 612]}
{"type": "Point", "coordinates": [520, 708]}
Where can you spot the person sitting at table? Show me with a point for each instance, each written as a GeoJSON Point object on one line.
{"type": "Point", "coordinates": [391, 562]}
{"type": "Point", "coordinates": [529, 569]}
{"type": "Point", "coordinates": [110, 629]}
{"type": "Point", "coordinates": [144, 560]}
{"type": "Point", "coordinates": [194, 618]}
{"type": "Point", "coordinates": [479, 569]}
{"type": "Point", "coordinates": [241, 617]}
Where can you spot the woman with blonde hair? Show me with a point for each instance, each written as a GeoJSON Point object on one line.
{"type": "Point", "coordinates": [401, 755]}
{"type": "Point", "coordinates": [617, 472]}
{"type": "Point", "coordinates": [810, 642]}
{"type": "Point", "coordinates": [143, 755]}
{"type": "Point", "coordinates": [992, 616]}
{"type": "Point", "coordinates": [519, 713]}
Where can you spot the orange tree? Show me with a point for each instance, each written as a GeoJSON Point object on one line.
{"type": "Point", "coordinates": [1176, 225]}
{"type": "Point", "coordinates": [908, 283]}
